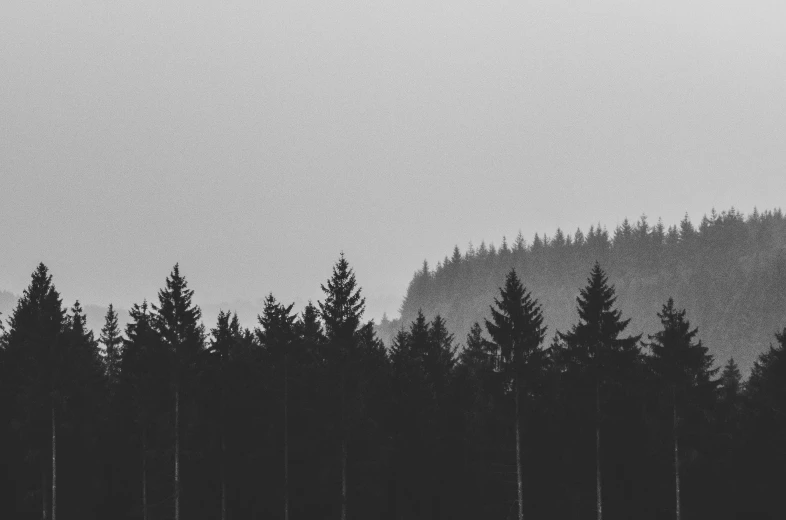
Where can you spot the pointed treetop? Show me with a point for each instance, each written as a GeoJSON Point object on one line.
{"type": "Point", "coordinates": [343, 306]}
{"type": "Point", "coordinates": [225, 335]}
{"type": "Point", "coordinates": [39, 312]}
{"type": "Point", "coordinates": [731, 379]}
{"type": "Point", "coordinates": [676, 355]}
{"type": "Point", "coordinates": [516, 326]}
{"type": "Point", "coordinates": [520, 244]}
{"type": "Point", "coordinates": [177, 317]}
{"type": "Point", "coordinates": [277, 324]}
{"type": "Point", "coordinates": [600, 324]}
{"type": "Point", "coordinates": [111, 339]}
{"type": "Point", "coordinates": [456, 258]}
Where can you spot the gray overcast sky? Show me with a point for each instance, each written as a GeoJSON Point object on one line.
{"type": "Point", "coordinates": [252, 141]}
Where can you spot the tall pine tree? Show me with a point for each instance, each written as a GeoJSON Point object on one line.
{"type": "Point", "coordinates": [341, 312]}
{"type": "Point", "coordinates": [177, 321]}
{"type": "Point", "coordinates": [516, 328]}
{"type": "Point", "coordinates": [112, 341]}
{"type": "Point", "coordinates": [595, 352]}
{"type": "Point", "coordinates": [34, 352]}
{"type": "Point", "coordinates": [684, 369]}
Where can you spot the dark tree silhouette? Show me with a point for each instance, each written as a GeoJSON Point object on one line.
{"type": "Point", "coordinates": [682, 365]}
{"type": "Point", "coordinates": [341, 312]}
{"type": "Point", "coordinates": [177, 321]}
{"type": "Point", "coordinates": [112, 341]}
{"type": "Point", "coordinates": [595, 352]}
{"type": "Point", "coordinates": [517, 331]}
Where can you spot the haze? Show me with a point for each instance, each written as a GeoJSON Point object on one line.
{"type": "Point", "coordinates": [254, 141]}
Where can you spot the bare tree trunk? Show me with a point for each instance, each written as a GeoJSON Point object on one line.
{"type": "Point", "coordinates": [598, 488]}
{"type": "Point", "coordinates": [44, 492]}
{"type": "Point", "coordinates": [519, 477]}
{"type": "Point", "coordinates": [343, 448]}
{"type": "Point", "coordinates": [54, 465]}
{"type": "Point", "coordinates": [676, 457]}
{"type": "Point", "coordinates": [286, 440]}
{"type": "Point", "coordinates": [144, 474]}
{"type": "Point", "coordinates": [223, 477]}
{"type": "Point", "coordinates": [177, 451]}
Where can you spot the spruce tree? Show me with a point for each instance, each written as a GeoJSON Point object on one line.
{"type": "Point", "coordinates": [83, 393]}
{"type": "Point", "coordinates": [144, 377]}
{"type": "Point", "coordinates": [177, 321]}
{"type": "Point", "coordinates": [341, 313]}
{"type": "Point", "coordinates": [684, 367]}
{"type": "Point", "coordinates": [34, 352]}
{"type": "Point", "coordinates": [595, 352]}
{"type": "Point", "coordinates": [730, 381]}
{"type": "Point", "coordinates": [308, 326]}
{"type": "Point", "coordinates": [225, 337]}
{"type": "Point", "coordinates": [277, 337]}
{"type": "Point", "coordinates": [112, 341]}
{"type": "Point", "coordinates": [517, 330]}
{"type": "Point", "coordinates": [476, 352]}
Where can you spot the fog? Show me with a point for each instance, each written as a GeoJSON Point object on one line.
{"type": "Point", "coordinates": [254, 141]}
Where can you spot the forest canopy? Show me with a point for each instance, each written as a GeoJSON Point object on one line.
{"type": "Point", "coordinates": [729, 271]}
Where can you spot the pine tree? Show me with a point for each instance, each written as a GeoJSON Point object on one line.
{"type": "Point", "coordinates": [308, 327]}
{"type": "Point", "coordinates": [177, 322]}
{"type": "Point", "coordinates": [730, 381]}
{"type": "Point", "coordinates": [764, 423]}
{"type": "Point", "coordinates": [83, 392]}
{"type": "Point", "coordinates": [34, 351]}
{"type": "Point", "coordinates": [341, 312]}
{"type": "Point", "coordinates": [683, 365]}
{"type": "Point", "coordinates": [594, 350]}
{"type": "Point", "coordinates": [517, 330]}
{"type": "Point", "coordinates": [277, 337]}
{"type": "Point", "coordinates": [475, 353]}
{"type": "Point", "coordinates": [439, 356]}
{"type": "Point", "coordinates": [143, 378]}
{"type": "Point", "coordinates": [112, 341]}
{"type": "Point", "coordinates": [225, 337]}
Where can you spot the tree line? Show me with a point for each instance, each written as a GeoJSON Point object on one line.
{"type": "Point", "coordinates": [729, 269]}
{"type": "Point", "coordinates": [310, 415]}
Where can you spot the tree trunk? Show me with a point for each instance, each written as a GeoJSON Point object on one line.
{"type": "Point", "coordinates": [286, 441]}
{"type": "Point", "coordinates": [519, 477]}
{"type": "Point", "coordinates": [676, 458]}
{"type": "Point", "coordinates": [44, 492]}
{"type": "Point", "coordinates": [343, 449]}
{"type": "Point", "coordinates": [598, 488]}
{"type": "Point", "coordinates": [144, 474]}
{"type": "Point", "coordinates": [223, 477]}
{"type": "Point", "coordinates": [54, 466]}
{"type": "Point", "coordinates": [177, 451]}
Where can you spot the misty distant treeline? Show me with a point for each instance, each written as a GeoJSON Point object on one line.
{"type": "Point", "coordinates": [311, 416]}
{"type": "Point", "coordinates": [729, 271]}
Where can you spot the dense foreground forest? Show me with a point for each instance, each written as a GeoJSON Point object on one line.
{"type": "Point", "coordinates": [311, 416]}
{"type": "Point", "coordinates": [729, 272]}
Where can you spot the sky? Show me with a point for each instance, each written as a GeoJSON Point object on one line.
{"type": "Point", "coordinates": [253, 141]}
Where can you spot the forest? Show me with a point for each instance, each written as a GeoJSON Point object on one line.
{"type": "Point", "coordinates": [729, 271]}
{"type": "Point", "coordinates": [312, 415]}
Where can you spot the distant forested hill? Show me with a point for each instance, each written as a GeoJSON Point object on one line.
{"type": "Point", "coordinates": [729, 272]}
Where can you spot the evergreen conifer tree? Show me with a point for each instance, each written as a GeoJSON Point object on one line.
{"type": "Point", "coordinates": [517, 330]}
{"type": "Point", "coordinates": [341, 313]}
{"type": "Point", "coordinates": [34, 351]}
{"type": "Point", "coordinates": [144, 377]}
{"type": "Point", "coordinates": [277, 336]}
{"type": "Point", "coordinates": [112, 341]}
{"type": "Point", "coordinates": [177, 321]}
{"type": "Point", "coordinates": [225, 337]}
{"type": "Point", "coordinates": [596, 353]}
{"type": "Point", "coordinates": [683, 365]}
